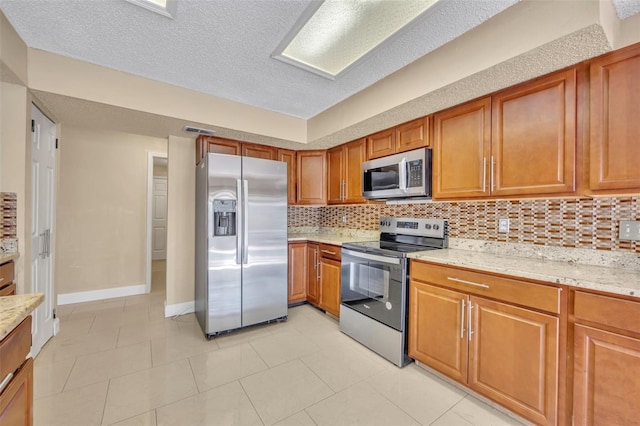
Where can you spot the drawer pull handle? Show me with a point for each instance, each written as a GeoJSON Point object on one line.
{"type": "Point", "coordinates": [458, 280]}
{"type": "Point", "coordinates": [328, 252]}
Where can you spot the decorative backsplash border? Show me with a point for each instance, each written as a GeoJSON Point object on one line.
{"type": "Point", "coordinates": [572, 223]}
{"type": "Point", "coordinates": [8, 222]}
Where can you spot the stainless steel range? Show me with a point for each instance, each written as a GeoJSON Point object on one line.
{"type": "Point", "coordinates": [375, 283]}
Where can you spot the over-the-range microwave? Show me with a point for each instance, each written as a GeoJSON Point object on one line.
{"type": "Point", "coordinates": [403, 175]}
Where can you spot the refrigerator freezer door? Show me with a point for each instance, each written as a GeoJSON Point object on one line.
{"type": "Point", "coordinates": [264, 275]}
{"type": "Point", "coordinates": [224, 289]}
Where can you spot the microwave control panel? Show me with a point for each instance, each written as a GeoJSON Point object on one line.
{"type": "Point", "coordinates": [415, 173]}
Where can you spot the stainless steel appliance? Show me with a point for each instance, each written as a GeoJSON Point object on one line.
{"type": "Point", "coordinates": [403, 175]}
{"type": "Point", "coordinates": [241, 242]}
{"type": "Point", "coordinates": [375, 283]}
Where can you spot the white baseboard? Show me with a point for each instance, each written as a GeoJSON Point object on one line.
{"type": "Point", "coordinates": [106, 293]}
{"type": "Point", "coordinates": [179, 309]}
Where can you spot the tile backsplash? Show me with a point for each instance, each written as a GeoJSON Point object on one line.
{"type": "Point", "coordinates": [573, 223]}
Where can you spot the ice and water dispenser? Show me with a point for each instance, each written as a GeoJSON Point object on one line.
{"type": "Point", "coordinates": [224, 217]}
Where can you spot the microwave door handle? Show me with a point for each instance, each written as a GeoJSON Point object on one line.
{"type": "Point", "coordinates": [402, 169]}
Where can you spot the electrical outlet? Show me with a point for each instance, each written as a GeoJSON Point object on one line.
{"type": "Point", "coordinates": [503, 225]}
{"type": "Point", "coordinates": [344, 218]}
{"type": "Point", "coordinates": [629, 230]}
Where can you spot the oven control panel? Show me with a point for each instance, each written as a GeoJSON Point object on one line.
{"type": "Point", "coordinates": [423, 227]}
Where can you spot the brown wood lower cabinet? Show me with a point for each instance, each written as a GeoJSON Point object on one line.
{"type": "Point", "coordinates": [502, 351]}
{"type": "Point", "coordinates": [330, 286]}
{"type": "Point", "coordinates": [606, 372]}
{"type": "Point", "coordinates": [297, 291]}
{"type": "Point", "coordinates": [16, 400]}
{"type": "Point", "coordinates": [313, 272]}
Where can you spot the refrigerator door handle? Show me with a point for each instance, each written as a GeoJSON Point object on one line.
{"type": "Point", "coordinates": [245, 221]}
{"type": "Point", "coordinates": [239, 221]}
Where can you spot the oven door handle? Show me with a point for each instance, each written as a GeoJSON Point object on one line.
{"type": "Point", "coordinates": [367, 256]}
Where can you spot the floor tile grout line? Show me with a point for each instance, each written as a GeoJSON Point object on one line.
{"type": "Point", "coordinates": [250, 400]}
{"type": "Point", "coordinates": [106, 398]}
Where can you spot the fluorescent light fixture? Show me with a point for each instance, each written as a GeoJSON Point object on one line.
{"type": "Point", "coordinates": [333, 35]}
{"type": "Point", "coordinates": [163, 7]}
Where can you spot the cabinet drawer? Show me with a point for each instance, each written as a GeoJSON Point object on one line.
{"type": "Point", "coordinates": [6, 274]}
{"type": "Point", "coordinates": [329, 251]}
{"type": "Point", "coordinates": [15, 347]}
{"type": "Point", "coordinates": [537, 296]}
{"type": "Point", "coordinates": [619, 313]}
{"type": "Point", "coordinates": [8, 290]}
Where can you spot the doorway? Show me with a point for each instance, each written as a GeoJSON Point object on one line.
{"type": "Point", "coordinates": [157, 175]}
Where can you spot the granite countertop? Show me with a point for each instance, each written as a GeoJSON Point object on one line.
{"type": "Point", "coordinates": [13, 309]}
{"type": "Point", "coordinates": [327, 238]}
{"type": "Point", "coordinates": [6, 257]}
{"type": "Point", "coordinates": [616, 280]}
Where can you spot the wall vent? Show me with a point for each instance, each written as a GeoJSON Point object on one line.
{"type": "Point", "coordinates": [199, 131]}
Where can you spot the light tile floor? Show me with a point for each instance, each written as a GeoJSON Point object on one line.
{"type": "Point", "coordinates": [121, 362]}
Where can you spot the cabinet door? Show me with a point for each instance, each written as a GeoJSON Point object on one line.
{"type": "Point", "coordinates": [311, 174]}
{"type": "Point", "coordinates": [313, 273]}
{"type": "Point", "coordinates": [16, 401]}
{"type": "Point", "coordinates": [534, 137]}
{"type": "Point", "coordinates": [297, 272]}
{"type": "Point", "coordinates": [330, 286]}
{"type": "Point", "coordinates": [381, 144]}
{"type": "Point", "coordinates": [335, 178]}
{"type": "Point", "coordinates": [462, 150]}
{"type": "Point", "coordinates": [354, 155]}
{"type": "Point", "coordinates": [412, 135]}
{"type": "Point", "coordinates": [615, 127]}
{"type": "Point", "coordinates": [513, 358]}
{"type": "Point", "coordinates": [289, 157]}
{"type": "Point", "coordinates": [222, 146]}
{"type": "Point", "coordinates": [259, 151]}
{"type": "Point", "coordinates": [437, 332]}
{"type": "Point", "coordinates": [606, 378]}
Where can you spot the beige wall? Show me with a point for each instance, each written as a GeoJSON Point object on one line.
{"type": "Point", "coordinates": [101, 213]}
{"type": "Point", "coordinates": [181, 221]}
{"type": "Point", "coordinates": [13, 164]}
{"type": "Point", "coordinates": [13, 53]}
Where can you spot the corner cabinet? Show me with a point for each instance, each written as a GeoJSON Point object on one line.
{"type": "Point", "coordinates": [311, 172]}
{"type": "Point", "coordinates": [614, 121]}
{"type": "Point", "coordinates": [344, 178]}
{"type": "Point", "coordinates": [606, 360]}
{"type": "Point", "coordinates": [499, 336]}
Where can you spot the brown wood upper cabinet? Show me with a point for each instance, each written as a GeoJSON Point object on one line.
{"type": "Point", "coordinates": [216, 145]}
{"type": "Point", "coordinates": [532, 149]}
{"type": "Point", "coordinates": [614, 120]}
{"type": "Point", "coordinates": [311, 172]}
{"type": "Point", "coordinates": [259, 151]}
{"type": "Point", "coordinates": [289, 157]}
{"type": "Point", "coordinates": [405, 137]}
{"type": "Point", "coordinates": [344, 179]}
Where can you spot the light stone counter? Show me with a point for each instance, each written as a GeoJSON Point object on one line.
{"type": "Point", "coordinates": [6, 257]}
{"type": "Point", "coordinates": [336, 236]}
{"type": "Point", "coordinates": [617, 280]}
{"type": "Point", "coordinates": [13, 309]}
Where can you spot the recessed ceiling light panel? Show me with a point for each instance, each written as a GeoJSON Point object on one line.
{"type": "Point", "coordinates": [163, 7]}
{"type": "Point", "coordinates": [332, 35]}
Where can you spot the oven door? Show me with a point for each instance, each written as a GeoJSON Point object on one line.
{"type": "Point", "coordinates": [375, 285]}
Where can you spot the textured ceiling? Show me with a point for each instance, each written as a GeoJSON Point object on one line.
{"type": "Point", "coordinates": [626, 8]}
{"type": "Point", "coordinates": [224, 47]}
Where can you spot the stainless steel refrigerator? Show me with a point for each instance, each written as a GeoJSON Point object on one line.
{"type": "Point", "coordinates": [241, 242]}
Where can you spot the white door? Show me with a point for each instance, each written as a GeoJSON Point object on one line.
{"type": "Point", "coordinates": [43, 173]}
{"type": "Point", "coordinates": [159, 218]}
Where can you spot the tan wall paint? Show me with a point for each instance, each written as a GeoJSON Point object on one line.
{"type": "Point", "coordinates": [181, 222]}
{"type": "Point", "coordinates": [629, 31]}
{"type": "Point", "coordinates": [13, 51]}
{"type": "Point", "coordinates": [519, 29]}
{"type": "Point", "coordinates": [14, 110]}
{"type": "Point", "coordinates": [101, 213]}
{"type": "Point", "coordinates": [57, 74]}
